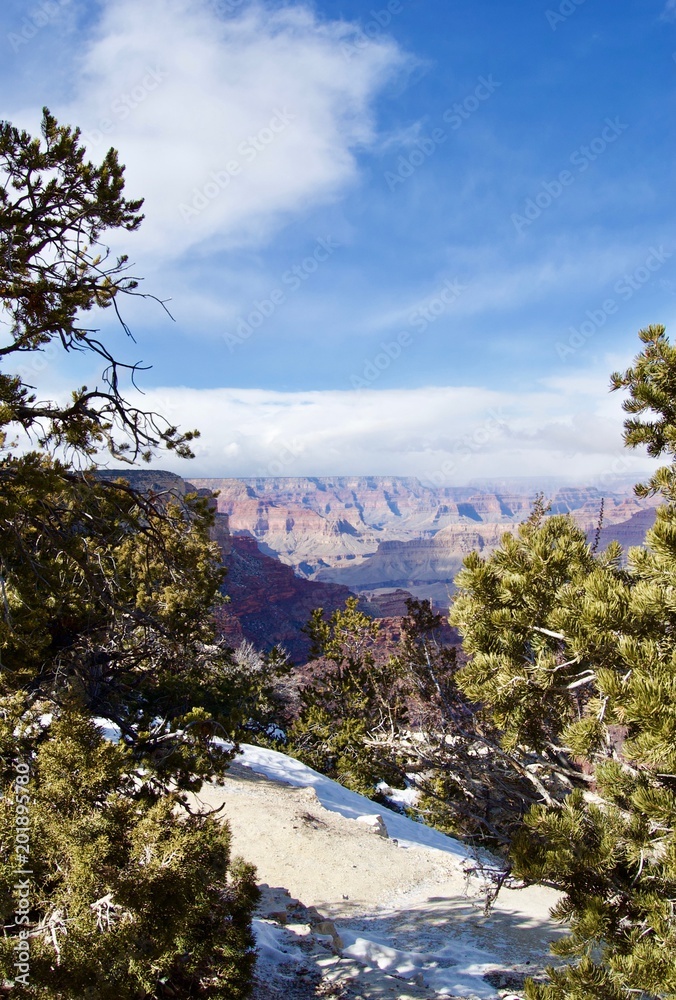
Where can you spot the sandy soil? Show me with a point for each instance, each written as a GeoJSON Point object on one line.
{"type": "Point", "coordinates": [322, 858]}
{"type": "Point", "coordinates": [414, 899]}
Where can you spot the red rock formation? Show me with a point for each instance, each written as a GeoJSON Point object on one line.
{"type": "Point", "coordinates": [380, 532]}
{"type": "Point", "coordinates": [362, 535]}
{"type": "Point", "coordinates": [270, 603]}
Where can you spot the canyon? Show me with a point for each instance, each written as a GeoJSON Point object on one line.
{"type": "Point", "coordinates": [292, 545]}
{"type": "Point", "coordinates": [267, 603]}
{"type": "Point", "coordinates": [378, 534]}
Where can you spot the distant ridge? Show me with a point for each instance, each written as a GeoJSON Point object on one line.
{"type": "Point", "coordinates": [388, 532]}
{"type": "Point", "coordinates": [521, 484]}
{"type": "Point", "coordinates": [372, 534]}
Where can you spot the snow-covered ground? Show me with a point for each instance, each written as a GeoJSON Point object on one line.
{"type": "Point", "coordinates": [288, 771]}
{"type": "Point", "coordinates": [419, 921]}
{"type": "Point", "coordinates": [453, 971]}
{"type": "Point", "coordinates": [406, 909]}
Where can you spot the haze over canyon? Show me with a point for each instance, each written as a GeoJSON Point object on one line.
{"type": "Point", "coordinates": [375, 534]}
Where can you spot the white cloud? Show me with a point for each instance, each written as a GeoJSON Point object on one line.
{"type": "Point", "coordinates": [446, 435]}
{"type": "Point", "coordinates": [493, 284]}
{"type": "Point", "coordinates": [227, 124]}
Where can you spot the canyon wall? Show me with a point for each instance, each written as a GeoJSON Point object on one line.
{"type": "Point", "coordinates": [292, 545]}
{"type": "Point", "coordinates": [381, 533]}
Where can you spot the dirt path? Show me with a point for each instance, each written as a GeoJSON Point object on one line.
{"type": "Point", "coordinates": [396, 912]}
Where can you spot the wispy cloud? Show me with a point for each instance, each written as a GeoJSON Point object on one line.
{"type": "Point", "coordinates": [493, 283]}
{"type": "Point", "coordinates": [226, 124]}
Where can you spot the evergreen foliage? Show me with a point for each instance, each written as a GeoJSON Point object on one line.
{"type": "Point", "coordinates": [429, 668]}
{"type": "Point", "coordinates": [574, 655]}
{"type": "Point", "coordinates": [651, 383]}
{"type": "Point", "coordinates": [468, 784]}
{"type": "Point", "coordinates": [348, 700]}
{"type": "Point", "coordinates": [54, 207]}
{"type": "Point", "coordinates": [126, 900]}
{"type": "Point", "coordinates": [368, 718]}
{"type": "Point", "coordinates": [106, 598]}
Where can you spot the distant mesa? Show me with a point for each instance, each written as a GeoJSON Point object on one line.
{"type": "Point", "coordinates": [293, 544]}
{"type": "Point", "coordinates": [386, 533]}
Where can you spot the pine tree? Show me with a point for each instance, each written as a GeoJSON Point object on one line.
{"type": "Point", "coordinates": [348, 701]}
{"type": "Point", "coordinates": [574, 655]}
{"type": "Point", "coordinates": [54, 207]}
{"type": "Point", "coordinates": [105, 610]}
{"type": "Point", "coordinates": [468, 785]}
{"type": "Point", "coordinates": [370, 717]}
{"type": "Point", "coordinates": [122, 900]}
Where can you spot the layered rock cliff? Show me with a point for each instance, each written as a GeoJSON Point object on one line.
{"type": "Point", "coordinates": [375, 533]}
{"type": "Point", "coordinates": [291, 545]}
{"type": "Point", "coordinates": [268, 603]}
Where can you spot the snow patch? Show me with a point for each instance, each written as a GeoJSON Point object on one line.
{"type": "Point", "coordinates": [456, 970]}
{"type": "Point", "coordinates": [272, 943]}
{"type": "Point", "coordinates": [110, 730]}
{"type": "Point", "coordinates": [288, 771]}
{"type": "Point", "coordinates": [406, 798]}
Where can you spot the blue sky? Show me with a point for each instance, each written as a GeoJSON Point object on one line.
{"type": "Point", "coordinates": [407, 238]}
